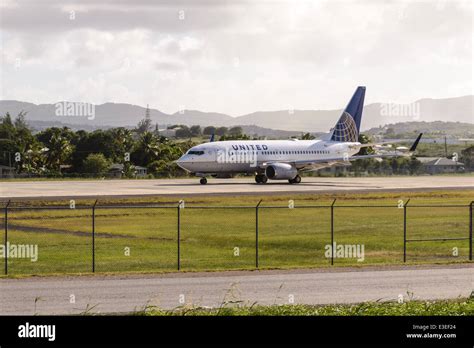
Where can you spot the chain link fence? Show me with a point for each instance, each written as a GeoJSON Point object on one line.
{"type": "Point", "coordinates": [151, 238]}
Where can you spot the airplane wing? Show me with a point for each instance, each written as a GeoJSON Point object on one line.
{"type": "Point", "coordinates": [316, 164]}
{"type": "Point", "coordinates": [308, 165]}
{"type": "Point", "coordinates": [329, 162]}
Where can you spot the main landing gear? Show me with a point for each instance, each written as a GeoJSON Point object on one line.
{"type": "Point", "coordinates": [295, 180]}
{"type": "Point", "coordinates": [261, 179]}
{"type": "Point", "coordinates": [203, 181]}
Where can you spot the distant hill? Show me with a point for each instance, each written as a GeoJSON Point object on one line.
{"type": "Point", "coordinates": [253, 131]}
{"type": "Point", "coordinates": [38, 126]}
{"type": "Point", "coordinates": [429, 129]}
{"type": "Point", "coordinates": [269, 133]}
{"type": "Point", "coordinates": [460, 109]}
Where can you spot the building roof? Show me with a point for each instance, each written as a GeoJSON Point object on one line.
{"type": "Point", "coordinates": [116, 166]}
{"type": "Point", "coordinates": [426, 159]}
{"type": "Point", "coordinates": [120, 166]}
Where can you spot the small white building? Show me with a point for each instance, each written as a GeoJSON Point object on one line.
{"type": "Point", "coordinates": [140, 172]}
{"type": "Point", "coordinates": [168, 133]}
{"type": "Point", "coordinates": [116, 171]}
{"type": "Point", "coordinates": [6, 171]}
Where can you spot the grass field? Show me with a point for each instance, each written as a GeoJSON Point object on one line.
{"type": "Point", "coordinates": [458, 307]}
{"type": "Point", "coordinates": [143, 239]}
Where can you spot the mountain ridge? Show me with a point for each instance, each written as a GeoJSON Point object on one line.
{"type": "Point", "coordinates": [115, 114]}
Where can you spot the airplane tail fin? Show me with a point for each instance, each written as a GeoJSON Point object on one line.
{"type": "Point", "coordinates": [415, 144]}
{"type": "Point", "coordinates": [348, 126]}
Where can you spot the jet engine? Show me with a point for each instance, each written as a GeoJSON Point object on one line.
{"type": "Point", "coordinates": [280, 171]}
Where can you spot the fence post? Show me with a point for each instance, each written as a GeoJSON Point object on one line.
{"type": "Point", "coordinates": [179, 236]}
{"type": "Point", "coordinates": [256, 233]}
{"type": "Point", "coordinates": [470, 231]}
{"type": "Point", "coordinates": [405, 230]}
{"type": "Point", "coordinates": [93, 236]}
{"type": "Point", "coordinates": [332, 232]}
{"type": "Point", "coordinates": [6, 237]}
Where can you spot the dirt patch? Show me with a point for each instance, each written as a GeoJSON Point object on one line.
{"type": "Point", "coordinates": [34, 229]}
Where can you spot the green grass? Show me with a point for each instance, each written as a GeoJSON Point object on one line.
{"type": "Point", "coordinates": [459, 307]}
{"type": "Point", "coordinates": [145, 239]}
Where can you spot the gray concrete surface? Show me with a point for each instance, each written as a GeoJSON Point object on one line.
{"type": "Point", "coordinates": [115, 294]}
{"type": "Point", "coordinates": [94, 188]}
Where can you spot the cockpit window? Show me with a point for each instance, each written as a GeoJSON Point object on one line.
{"type": "Point", "coordinates": [198, 153]}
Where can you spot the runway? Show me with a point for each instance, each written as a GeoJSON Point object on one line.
{"type": "Point", "coordinates": [121, 294]}
{"type": "Point", "coordinates": [186, 187]}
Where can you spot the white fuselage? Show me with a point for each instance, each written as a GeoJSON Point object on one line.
{"type": "Point", "coordinates": [251, 156]}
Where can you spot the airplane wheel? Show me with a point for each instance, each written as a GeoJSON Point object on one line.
{"type": "Point", "coordinates": [261, 179]}
{"type": "Point", "coordinates": [203, 181]}
{"type": "Point", "coordinates": [295, 180]}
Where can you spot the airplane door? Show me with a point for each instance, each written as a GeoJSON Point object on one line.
{"type": "Point", "coordinates": [212, 155]}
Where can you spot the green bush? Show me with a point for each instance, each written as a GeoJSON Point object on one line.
{"type": "Point", "coordinates": [96, 163]}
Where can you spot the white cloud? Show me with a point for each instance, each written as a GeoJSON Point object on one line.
{"type": "Point", "coordinates": [304, 54]}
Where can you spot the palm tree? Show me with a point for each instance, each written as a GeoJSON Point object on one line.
{"type": "Point", "coordinates": [148, 149]}
{"type": "Point", "coordinates": [58, 151]}
{"type": "Point", "coordinates": [122, 143]}
{"type": "Point", "coordinates": [307, 136]}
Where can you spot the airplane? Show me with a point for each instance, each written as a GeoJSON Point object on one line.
{"type": "Point", "coordinates": [285, 159]}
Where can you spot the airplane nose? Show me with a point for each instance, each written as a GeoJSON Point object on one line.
{"type": "Point", "coordinates": [181, 162]}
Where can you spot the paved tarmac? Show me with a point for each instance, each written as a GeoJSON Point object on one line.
{"type": "Point", "coordinates": [187, 187]}
{"type": "Point", "coordinates": [122, 294]}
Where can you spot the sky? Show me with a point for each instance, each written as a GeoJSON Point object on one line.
{"type": "Point", "coordinates": [235, 57]}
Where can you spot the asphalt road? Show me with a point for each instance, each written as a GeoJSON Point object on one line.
{"type": "Point", "coordinates": [95, 188]}
{"type": "Point", "coordinates": [115, 294]}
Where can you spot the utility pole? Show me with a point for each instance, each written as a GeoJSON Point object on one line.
{"type": "Point", "coordinates": [445, 147]}
{"type": "Point", "coordinates": [147, 112]}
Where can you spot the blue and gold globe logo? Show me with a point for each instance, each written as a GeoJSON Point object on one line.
{"type": "Point", "coordinates": [345, 129]}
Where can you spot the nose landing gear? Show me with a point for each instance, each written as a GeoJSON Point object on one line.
{"type": "Point", "coordinates": [203, 181]}
{"type": "Point", "coordinates": [261, 179]}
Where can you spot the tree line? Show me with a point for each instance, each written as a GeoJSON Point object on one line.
{"type": "Point", "coordinates": [61, 151]}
